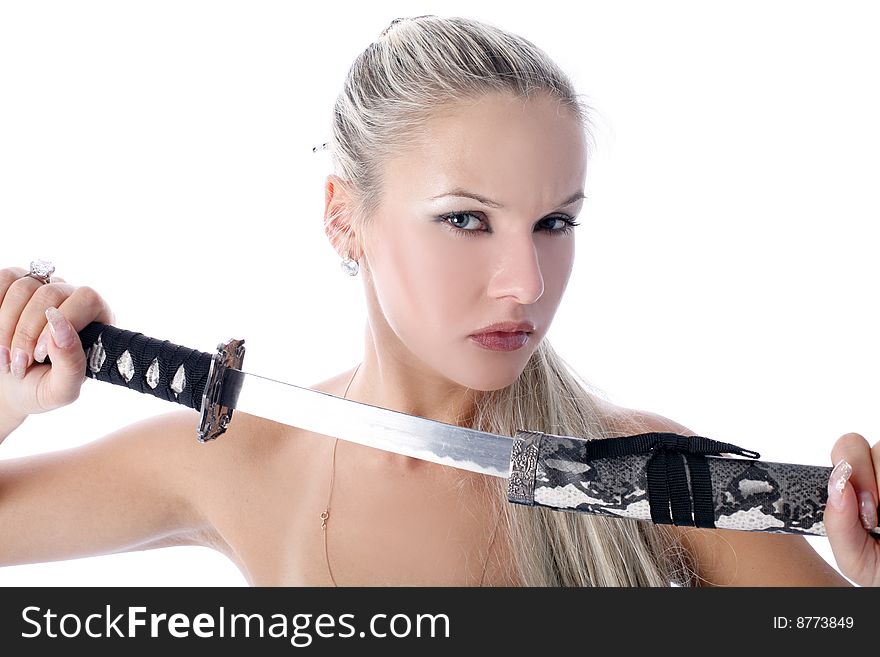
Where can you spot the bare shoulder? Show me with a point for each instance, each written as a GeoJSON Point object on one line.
{"type": "Point", "coordinates": [205, 480]}
{"type": "Point", "coordinates": [253, 447]}
{"type": "Point", "coordinates": [335, 385]}
{"type": "Point", "coordinates": [145, 485]}
{"type": "Point", "coordinates": [727, 557]}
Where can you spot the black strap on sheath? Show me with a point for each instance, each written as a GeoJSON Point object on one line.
{"type": "Point", "coordinates": [667, 479]}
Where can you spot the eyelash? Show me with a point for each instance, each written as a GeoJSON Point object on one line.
{"type": "Point", "coordinates": [569, 224]}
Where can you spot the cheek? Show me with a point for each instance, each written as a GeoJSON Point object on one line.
{"type": "Point", "coordinates": [557, 260]}
{"type": "Point", "coordinates": [423, 280]}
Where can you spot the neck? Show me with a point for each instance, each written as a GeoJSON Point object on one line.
{"type": "Point", "coordinates": [395, 380]}
{"type": "Point", "coordinates": [411, 388]}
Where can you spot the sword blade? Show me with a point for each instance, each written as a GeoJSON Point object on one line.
{"type": "Point", "coordinates": [369, 425]}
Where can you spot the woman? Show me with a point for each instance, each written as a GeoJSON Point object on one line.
{"type": "Point", "coordinates": [460, 154]}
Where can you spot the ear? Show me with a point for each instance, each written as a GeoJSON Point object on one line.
{"type": "Point", "coordinates": [338, 201]}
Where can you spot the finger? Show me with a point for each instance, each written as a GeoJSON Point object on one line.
{"type": "Point", "coordinates": [41, 350]}
{"type": "Point", "coordinates": [8, 276]}
{"type": "Point", "coordinates": [16, 297]}
{"type": "Point", "coordinates": [842, 525]}
{"type": "Point", "coordinates": [64, 380]}
{"type": "Point", "coordinates": [51, 295]}
{"type": "Point", "coordinates": [856, 550]}
{"type": "Point", "coordinates": [81, 308]}
{"type": "Point", "coordinates": [85, 306]}
{"type": "Point", "coordinates": [32, 321]}
{"type": "Point", "coordinates": [873, 512]}
{"type": "Point", "coordinates": [853, 448]}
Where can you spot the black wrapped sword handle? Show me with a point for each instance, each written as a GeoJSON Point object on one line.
{"type": "Point", "coordinates": [163, 369]}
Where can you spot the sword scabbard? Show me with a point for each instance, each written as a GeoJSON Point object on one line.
{"type": "Point", "coordinates": [666, 483]}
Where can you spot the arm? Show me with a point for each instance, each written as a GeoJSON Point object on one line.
{"type": "Point", "coordinates": [726, 557]}
{"type": "Point", "coordinates": [7, 426]}
{"type": "Point", "coordinates": [143, 486]}
{"type": "Point", "coordinates": [150, 484]}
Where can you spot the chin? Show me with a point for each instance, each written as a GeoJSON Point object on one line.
{"type": "Point", "coordinates": [488, 377]}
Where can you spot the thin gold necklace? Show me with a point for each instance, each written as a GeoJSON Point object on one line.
{"type": "Point", "coordinates": [325, 515]}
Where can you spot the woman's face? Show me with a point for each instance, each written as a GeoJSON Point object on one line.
{"type": "Point", "coordinates": [433, 281]}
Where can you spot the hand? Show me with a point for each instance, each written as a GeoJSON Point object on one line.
{"type": "Point", "coordinates": [852, 508]}
{"type": "Point", "coordinates": [27, 387]}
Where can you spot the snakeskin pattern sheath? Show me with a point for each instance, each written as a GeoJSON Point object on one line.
{"type": "Point", "coordinates": [571, 474]}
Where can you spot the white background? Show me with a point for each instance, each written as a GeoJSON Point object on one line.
{"type": "Point", "coordinates": [727, 262]}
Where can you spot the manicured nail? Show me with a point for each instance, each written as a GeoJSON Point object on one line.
{"type": "Point", "coordinates": [837, 481]}
{"type": "Point", "coordinates": [40, 350]}
{"type": "Point", "coordinates": [62, 333]}
{"type": "Point", "coordinates": [4, 360]}
{"type": "Point", "coordinates": [19, 362]}
{"type": "Point", "coordinates": [868, 509]}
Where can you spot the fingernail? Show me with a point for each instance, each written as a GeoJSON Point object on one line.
{"type": "Point", "coordinates": [19, 362]}
{"type": "Point", "coordinates": [837, 481]}
{"type": "Point", "coordinates": [4, 360]}
{"type": "Point", "coordinates": [40, 350]}
{"type": "Point", "coordinates": [868, 509]}
{"type": "Point", "coordinates": [60, 328]}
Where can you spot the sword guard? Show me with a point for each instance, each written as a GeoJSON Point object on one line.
{"type": "Point", "coordinates": [215, 416]}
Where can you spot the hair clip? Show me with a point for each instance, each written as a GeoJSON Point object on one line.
{"type": "Point", "coordinates": [322, 147]}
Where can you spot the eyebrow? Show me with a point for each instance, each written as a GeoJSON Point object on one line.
{"type": "Point", "coordinates": [463, 193]}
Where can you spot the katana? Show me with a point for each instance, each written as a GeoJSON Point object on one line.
{"type": "Point", "coordinates": [662, 477]}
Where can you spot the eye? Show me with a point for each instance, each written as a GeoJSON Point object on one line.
{"type": "Point", "coordinates": [457, 222]}
{"type": "Point", "coordinates": [565, 226]}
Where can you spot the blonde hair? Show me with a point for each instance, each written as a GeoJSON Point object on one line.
{"type": "Point", "coordinates": [416, 68]}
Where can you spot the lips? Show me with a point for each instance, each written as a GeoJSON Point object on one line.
{"type": "Point", "coordinates": [503, 336]}
{"type": "Point", "coordinates": [501, 340]}
{"type": "Point", "coordinates": [506, 327]}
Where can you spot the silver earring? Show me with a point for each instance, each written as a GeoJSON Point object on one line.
{"type": "Point", "coordinates": [350, 266]}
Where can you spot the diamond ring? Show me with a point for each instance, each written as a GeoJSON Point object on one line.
{"type": "Point", "coordinates": [41, 270]}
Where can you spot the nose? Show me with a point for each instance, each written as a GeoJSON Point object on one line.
{"type": "Point", "coordinates": [518, 272]}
